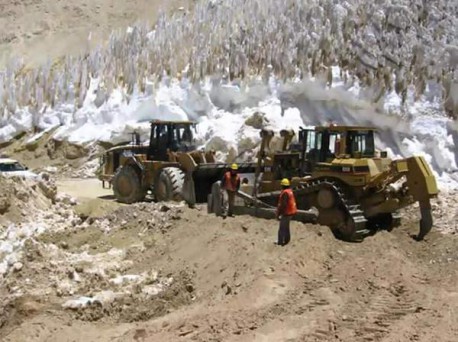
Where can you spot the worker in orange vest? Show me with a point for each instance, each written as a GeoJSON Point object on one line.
{"type": "Point", "coordinates": [230, 184]}
{"type": "Point", "coordinates": [286, 209]}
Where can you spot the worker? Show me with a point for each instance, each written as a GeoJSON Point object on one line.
{"type": "Point", "coordinates": [286, 209]}
{"type": "Point", "coordinates": [230, 184]}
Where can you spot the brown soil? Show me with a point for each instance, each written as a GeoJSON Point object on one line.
{"type": "Point", "coordinates": [20, 197]}
{"type": "Point", "coordinates": [231, 283]}
{"type": "Point", "coordinates": [38, 30]}
{"type": "Point", "coordinates": [46, 152]}
{"type": "Point", "coordinates": [91, 194]}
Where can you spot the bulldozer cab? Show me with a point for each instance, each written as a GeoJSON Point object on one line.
{"type": "Point", "coordinates": [170, 137]}
{"type": "Point", "coordinates": [286, 165]}
{"type": "Point", "coordinates": [324, 144]}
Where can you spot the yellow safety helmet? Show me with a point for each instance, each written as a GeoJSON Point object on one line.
{"type": "Point", "coordinates": [234, 167]}
{"type": "Point", "coordinates": [285, 182]}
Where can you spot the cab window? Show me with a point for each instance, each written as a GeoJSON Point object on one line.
{"type": "Point", "coordinates": [361, 142]}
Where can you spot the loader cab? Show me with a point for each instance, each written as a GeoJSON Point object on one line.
{"type": "Point", "coordinates": [324, 144]}
{"type": "Point", "coordinates": [170, 137]}
{"type": "Point", "coordinates": [286, 165]}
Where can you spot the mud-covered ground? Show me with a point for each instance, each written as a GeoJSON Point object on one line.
{"type": "Point", "coordinates": [100, 271]}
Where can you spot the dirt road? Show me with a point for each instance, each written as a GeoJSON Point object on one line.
{"type": "Point", "coordinates": [225, 280]}
{"type": "Point", "coordinates": [84, 189]}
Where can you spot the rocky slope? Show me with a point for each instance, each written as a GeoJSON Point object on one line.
{"type": "Point", "coordinates": [39, 31]}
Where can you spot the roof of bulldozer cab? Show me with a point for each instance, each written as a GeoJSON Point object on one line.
{"type": "Point", "coordinates": [167, 122]}
{"type": "Point", "coordinates": [344, 128]}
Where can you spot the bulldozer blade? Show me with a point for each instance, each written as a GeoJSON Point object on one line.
{"type": "Point", "coordinates": [426, 221]}
{"type": "Point", "coordinates": [253, 200]}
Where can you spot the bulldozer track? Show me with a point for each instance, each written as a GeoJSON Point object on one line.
{"type": "Point", "coordinates": [351, 208]}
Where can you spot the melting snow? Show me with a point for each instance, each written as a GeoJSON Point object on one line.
{"type": "Point", "coordinates": [222, 109]}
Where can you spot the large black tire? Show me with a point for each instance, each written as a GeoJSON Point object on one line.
{"type": "Point", "coordinates": [169, 185]}
{"type": "Point", "coordinates": [127, 186]}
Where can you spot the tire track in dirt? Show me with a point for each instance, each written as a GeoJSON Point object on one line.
{"type": "Point", "coordinates": [245, 324]}
{"type": "Point", "coordinates": [385, 307]}
{"type": "Point", "coordinates": [243, 288]}
{"type": "Point", "coordinates": [370, 322]}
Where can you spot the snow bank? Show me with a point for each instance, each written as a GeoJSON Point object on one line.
{"type": "Point", "coordinates": [12, 241]}
{"type": "Point", "coordinates": [124, 284]}
{"type": "Point", "coordinates": [222, 109]}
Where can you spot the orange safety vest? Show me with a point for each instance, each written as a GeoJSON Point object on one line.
{"type": "Point", "coordinates": [291, 207]}
{"type": "Point", "coordinates": [230, 183]}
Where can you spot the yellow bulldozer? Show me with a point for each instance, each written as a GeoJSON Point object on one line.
{"type": "Point", "coordinates": [169, 166]}
{"type": "Point", "coordinates": [337, 171]}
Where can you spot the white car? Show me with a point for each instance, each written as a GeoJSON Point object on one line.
{"type": "Point", "coordinates": [10, 167]}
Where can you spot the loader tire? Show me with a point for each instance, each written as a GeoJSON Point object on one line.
{"type": "Point", "coordinates": [169, 185]}
{"type": "Point", "coordinates": [127, 186]}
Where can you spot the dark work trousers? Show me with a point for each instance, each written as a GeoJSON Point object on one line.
{"type": "Point", "coordinates": [284, 234]}
{"type": "Point", "coordinates": [228, 202]}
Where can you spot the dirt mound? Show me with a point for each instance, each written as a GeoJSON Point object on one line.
{"type": "Point", "coordinates": [20, 197]}
{"type": "Point", "coordinates": [42, 153]}
{"type": "Point", "coordinates": [13, 311]}
{"type": "Point", "coordinates": [91, 265]}
{"type": "Point", "coordinates": [37, 30]}
{"type": "Point", "coordinates": [444, 211]}
{"type": "Point", "coordinates": [145, 300]}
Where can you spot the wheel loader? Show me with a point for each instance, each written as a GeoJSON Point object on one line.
{"type": "Point", "coordinates": [169, 166]}
{"type": "Point", "coordinates": [336, 171]}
